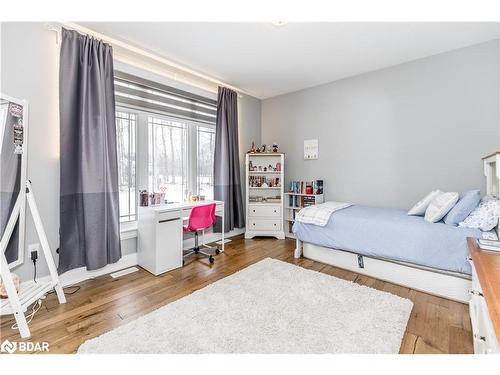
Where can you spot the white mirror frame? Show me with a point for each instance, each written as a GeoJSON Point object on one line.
{"type": "Point", "coordinates": [22, 190]}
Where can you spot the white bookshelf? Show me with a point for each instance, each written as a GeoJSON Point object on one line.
{"type": "Point", "coordinates": [265, 217]}
{"type": "Point", "coordinates": [291, 209]}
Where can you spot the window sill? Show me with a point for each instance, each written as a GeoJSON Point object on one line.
{"type": "Point", "coordinates": [128, 230]}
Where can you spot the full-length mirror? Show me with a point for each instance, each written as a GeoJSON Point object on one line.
{"type": "Point", "coordinates": [13, 122]}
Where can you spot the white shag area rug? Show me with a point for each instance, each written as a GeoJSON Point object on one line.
{"type": "Point", "coordinates": [269, 307]}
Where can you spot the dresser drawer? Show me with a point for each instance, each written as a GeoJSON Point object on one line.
{"type": "Point", "coordinates": [485, 299]}
{"type": "Point", "coordinates": [484, 338]}
{"type": "Point", "coordinates": [264, 225]}
{"type": "Point", "coordinates": [476, 286]}
{"type": "Point", "coordinates": [264, 211]}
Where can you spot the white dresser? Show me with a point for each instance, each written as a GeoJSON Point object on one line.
{"type": "Point", "coordinates": [484, 306]}
{"type": "Point", "coordinates": [264, 195]}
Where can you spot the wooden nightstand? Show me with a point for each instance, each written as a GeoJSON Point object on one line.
{"type": "Point", "coordinates": [484, 305]}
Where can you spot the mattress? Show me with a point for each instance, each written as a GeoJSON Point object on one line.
{"type": "Point", "coordinates": [391, 234]}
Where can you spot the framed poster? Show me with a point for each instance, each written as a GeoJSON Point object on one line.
{"type": "Point", "coordinates": [311, 150]}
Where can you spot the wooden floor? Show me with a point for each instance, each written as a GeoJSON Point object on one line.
{"type": "Point", "coordinates": [436, 325]}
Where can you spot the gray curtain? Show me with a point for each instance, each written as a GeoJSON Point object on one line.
{"type": "Point", "coordinates": [227, 185]}
{"type": "Point", "coordinates": [89, 201]}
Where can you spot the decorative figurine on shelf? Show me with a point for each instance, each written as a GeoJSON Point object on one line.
{"type": "Point", "coordinates": [250, 166]}
{"type": "Point", "coordinates": [263, 148]}
{"type": "Point", "coordinates": [252, 150]}
{"type": "Point", "coordinates": [275, 147]}
{"type": "Point", "coordinates": [278, 167]}
{"type": "Point", "coordinates": [265, 169]}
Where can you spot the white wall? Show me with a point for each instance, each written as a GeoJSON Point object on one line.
{"type": "Point", "coordinates": [29, 66]}
{"type": "Point", "coordinates": [386, 138]}
{"type": "Point", "coordinates": [29, 70]}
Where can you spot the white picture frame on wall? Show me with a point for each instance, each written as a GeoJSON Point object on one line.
{"type": "Point", "coordinates": [311, 149]}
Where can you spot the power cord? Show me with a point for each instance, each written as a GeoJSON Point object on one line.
{"type": "Point", "coordinates": [34, 257]}
{"type": "Point", "coordinates": [30, 317]}
{"type": "Point", "coordinates": [38, 305]}
{"type": "Point", "coordinates": [77, 288]}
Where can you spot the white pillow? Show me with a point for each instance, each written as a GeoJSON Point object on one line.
{"type": "Point", "coordinates": [440, 206]}
{"type": "Point", "coordinates": [485, 216]}
{"type": "Point", "coordinates": [421, 206]}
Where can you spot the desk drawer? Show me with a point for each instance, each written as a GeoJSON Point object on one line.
{"type": "Point", "coordinates": [169, 215]}
{"type": "Point", "coordinates": [264, 224]}
{"type": "Point", "coordinates": [264, 211]}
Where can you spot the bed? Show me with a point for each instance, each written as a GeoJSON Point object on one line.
{"type": "Point", "coordinates": [391, 234]}
{"type": "Point", "coordinates": [390, 245]}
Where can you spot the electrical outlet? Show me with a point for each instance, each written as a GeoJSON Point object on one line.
{"type": "Point", "coordinates": [34, 247]}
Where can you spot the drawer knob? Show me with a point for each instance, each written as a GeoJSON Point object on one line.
{"type": "Point", "coordinates": [253, 224]}
{"type": "Point", "coordinates": [479, 337]}
{"type": "Point", "coordinates": [476, 293]}
{"type": "Point", "coordinates": [274, 224]}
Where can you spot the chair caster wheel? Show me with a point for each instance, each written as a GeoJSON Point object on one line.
{"type": "Point", "coordinates": [217, 251]}
{"type": "Point", "coordinates": [211, 259]}
{"type": "Point", "coordinates": [183, 262]}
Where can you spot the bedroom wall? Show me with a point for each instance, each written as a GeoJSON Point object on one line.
{"type": "Point", "coordinates": [386, 138]}
{"type": "Point", "coordinates": [29, 70]}
{"type": "Point", "coordinates": [498, 148]}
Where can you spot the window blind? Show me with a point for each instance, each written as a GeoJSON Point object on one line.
{"type": "Point", "coordinates": [141, 93]}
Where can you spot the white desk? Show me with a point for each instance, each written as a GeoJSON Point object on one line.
{"type": "Point", "coordinates": [160, 234]}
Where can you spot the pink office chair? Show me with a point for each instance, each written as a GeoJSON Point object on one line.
{"type": "Point", "coordinates": [201, 218]}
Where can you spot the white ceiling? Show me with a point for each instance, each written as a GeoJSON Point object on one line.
{"type": "Point", "coordinates": [266, 60]}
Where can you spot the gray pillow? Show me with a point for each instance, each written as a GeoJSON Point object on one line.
{"type": "Point", "coordinates": [467, 202]}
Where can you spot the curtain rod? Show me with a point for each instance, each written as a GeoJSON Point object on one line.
{"type": "Point", "coordinates": [56, 27]}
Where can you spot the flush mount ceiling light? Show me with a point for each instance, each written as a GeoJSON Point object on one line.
{"type": "Point", "coordinates": [279, 23]}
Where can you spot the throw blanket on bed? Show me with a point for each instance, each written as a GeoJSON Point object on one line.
{"type": "Point", "coordinates": [320, 214]}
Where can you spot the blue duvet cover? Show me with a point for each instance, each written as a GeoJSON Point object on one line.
{"type": "Point", "coordinates": [392, 234]}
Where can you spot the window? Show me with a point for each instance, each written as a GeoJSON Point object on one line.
{"type": "Point", "coordinates": [205, 161]}
{"type": "Point", "coordinates": [181, 157]}
{"type": "Point", "coordinates": [175, 151]}
{"type": "Point", "coordinates": [168, 157]}
{"type": "Point", "coordinates": [126, 148]}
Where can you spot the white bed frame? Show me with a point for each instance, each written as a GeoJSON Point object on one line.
{"type": "Point", "coordinates": [444, 284]}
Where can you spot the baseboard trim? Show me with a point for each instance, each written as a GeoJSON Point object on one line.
{"type": "Point", "coordinates": [78, 275]}
{"type": "Point", "coordinates": [81, 274]}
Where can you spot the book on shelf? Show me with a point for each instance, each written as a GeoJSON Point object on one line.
{"type": "Point", "coordinates": [300, 201]}
{"type": "Point", "coordinates": [308, 201]}
{"type": "Point", "coordinates": [306, 187]}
